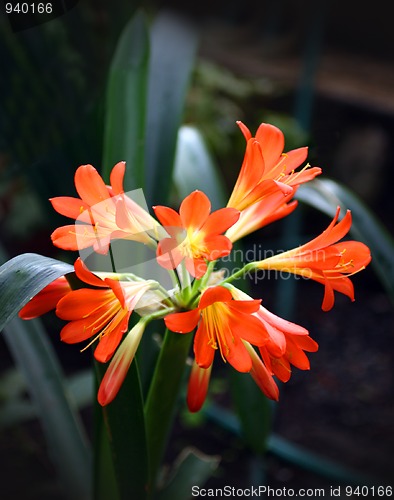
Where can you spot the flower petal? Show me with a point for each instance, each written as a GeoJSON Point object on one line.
{"type": "Point", "coordinates": [194, 210]}
{"type": "Point", "coordinates": [219, 221]}
{"type": "Point", "coordinates": [272, 143]}
{"type": "Point", "coordinates": [167, 216]}
{"type": "Point", "coordinates": [79, 304]}
{"type": "Point", "coordinates": [109, 342]}
{"type": "Point", "coordinates": [116, 178]}
{"type": "Point", "coordinates": [89, 185]}
{"type": "Point", "coordinates": [46, 300]}
{"type": "Point", "coordinates": [182, 322]}
{"type": "Point", "coordinates": [203, 351]}
{"type": "Point", "coordinates": [238, 356]}
{"type": "Point", "coordinates": [69, 206]}
{"type": "Point", "coordinates": [214, 294]}
{"type": "Point", "coordinates": [261, 375]}
{"type": "Point", "coordinates": [87, 276]}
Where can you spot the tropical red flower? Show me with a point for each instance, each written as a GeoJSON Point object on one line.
{"type": "Point", "coordinates": [95, 213]}
{"type": "Point", "coordinates": [267, 178]}
{"type": "Point", "coordinates": [285, 346]}
{"type": "Point", "coordinates": [195, 234]}
{"type": "Point", "coordinates": [266, 168]}
{"type": "Point", "coordinates": [102, 312]}
{"type": "Point", "coordinates": [325, 260]}
{"type": "Point", "coordinates": [46, 299]}
{"type": "Point", "coordinates": [222, 324]}
{"type": "Point", "coordinates": [197, 388]}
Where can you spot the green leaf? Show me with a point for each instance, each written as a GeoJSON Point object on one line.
{"type": "Point", "coordinates": [124, 133]}
{"type": "Point", "coordinates": [173, 48]}
{"type": "Point", "coordinates": [326, 195]}
{"type": "Point", "coordinates": [192, 468]}
{"type": "Point", "coordinates": [22, 277]}
{"type": "Point", "coordinates": [15, 409]}
{"type": "Point", "coordinates": [253, 409]}
{"type": "Point", "coordinates": [163, 394]}
{"type": "Point", "coordinates": [195, 169]}
{"type": "Point", "coordinates": [124, 420]}
{"type": "Point", "coordinates": [62, 426]}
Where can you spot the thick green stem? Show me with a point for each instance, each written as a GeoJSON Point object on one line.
{"type": "Point", "coordinates": [163, 394]}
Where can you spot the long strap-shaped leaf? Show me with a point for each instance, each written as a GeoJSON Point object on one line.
{"type": "Point", "coordinates": [173, 47]}
{"type": "Point", "coordinates": [20, 279]}
{"type": "Point", "coordinates": [126, 104]}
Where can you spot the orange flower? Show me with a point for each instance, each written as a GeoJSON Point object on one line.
{"type": "Point", "coordinates": [267, 180]}
{"type": "Point", "coordinates": [95, 213]}
{"type": "Point", "coordinates": [46, 300]}
{"type": "Point", "coordinates": [325, 260]}
{"type": "Point", "coordinates": [102, 313]}
{"type": "Point", "coordinates": [266, 169]}
{"type": "Point", "coordinates": [222, 324]}
{"type": "Point", "coordinates": [120, 364]}
{"type": "Point", "coordinates": [261, 213]}
{"type": "Point", "coordinates": [197, 388]}
{"type": "Point", "coordinates": [285, 346]}
{"type": "Point", "coordinates": [195, 234]}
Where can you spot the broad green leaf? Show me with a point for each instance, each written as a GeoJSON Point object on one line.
{"type": "Point", "coordinates": [195, 169]}
{"type": "Point", "coordinates": [253, 409]}
{"type": "Point", "coordinates": [173, 47]}
{"type": "Point", "coordinates": [326, 195]}
{"type": "Point", "coordinates": [22, 277]}
{"type": "Point", "coordinates": [59, 417]}
{"type": "Point", "coordinates": [192, 468]}
{"type": "Point", "coordinates": [124, 420]}
{"type": "Point", "coordinates": [163, 394]}
{"type": "Point", "coordinates": [124, 133]}
{"type": "Point", "coordinates": [121, 453]}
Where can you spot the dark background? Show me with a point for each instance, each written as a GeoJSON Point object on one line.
{"type": "Point", "coordinates": [324, 70]}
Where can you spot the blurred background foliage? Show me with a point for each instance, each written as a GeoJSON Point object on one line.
{"type": "Point", "coordinates": [250, 66]}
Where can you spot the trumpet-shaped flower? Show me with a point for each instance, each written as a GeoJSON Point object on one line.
{"type": "Point", "coordinates": [102, 312]}
{"type": "Point", "coordinates": [195, 234]}
{"type": "Point", "coordinates": [285, 346]}
{"type": "Point", "coordinates": [102, 212]}
{"type": "Point", "coordinates": [222, 324]}
{"type": "Point", "coordinates": [325, 260]}
{"type": "Point", "coordinates": [266, 169]}
{"type": "Point", "coordinates": [267, 181]}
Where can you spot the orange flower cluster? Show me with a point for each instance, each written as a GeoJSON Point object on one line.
{"type": "Point", "coordinates": [188, 243]}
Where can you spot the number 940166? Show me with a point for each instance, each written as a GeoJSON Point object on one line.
{"type": "Point", "coordinates": [28, 8]}
{"type": "Point", "coordinates": [368, 491]}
